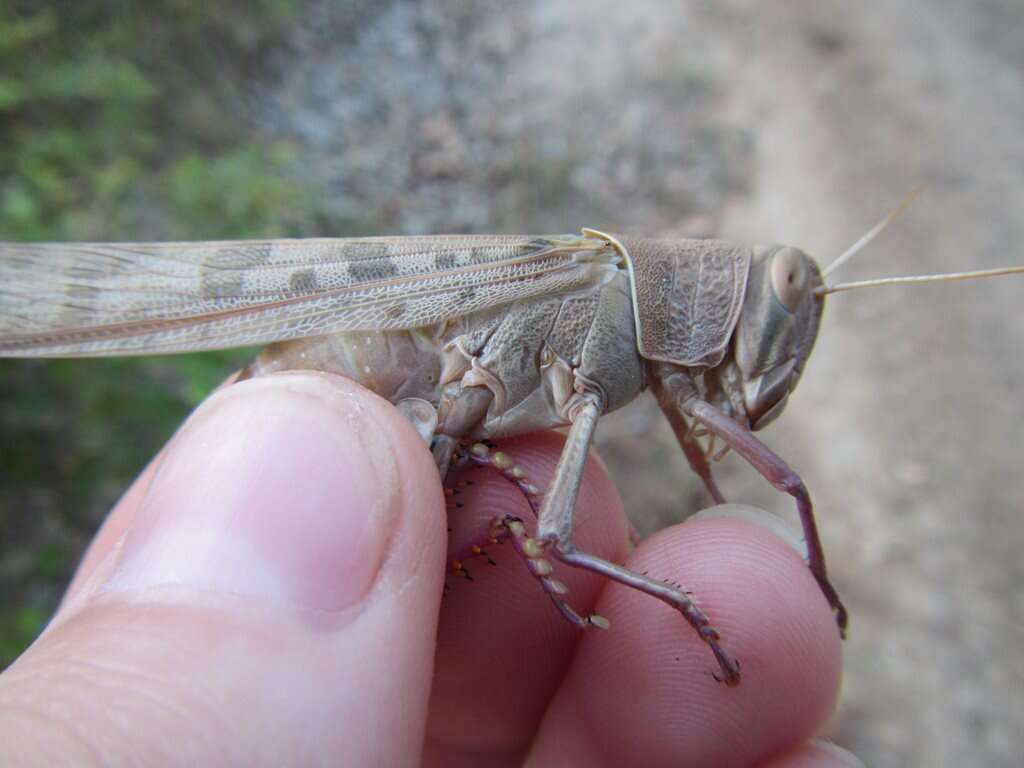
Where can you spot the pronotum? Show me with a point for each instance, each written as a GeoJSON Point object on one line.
{"type": "Point", "coordinates": [476, 337]}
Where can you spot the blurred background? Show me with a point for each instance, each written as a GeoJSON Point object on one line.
{"type": "Point", "coordinates": [795, 122]}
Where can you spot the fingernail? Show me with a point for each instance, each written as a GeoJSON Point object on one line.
{"type": "Point", "coordinates": [840, 754]}
{"type": "Point", "coordinates": [777, 525]}
{"type": "Point", "coordinates": [282, 487]}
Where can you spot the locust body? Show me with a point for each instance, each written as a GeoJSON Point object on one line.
{"type": "Point", "coordinates": [495, 373]}
{"type": "Point", "coordinates": [472, 338]}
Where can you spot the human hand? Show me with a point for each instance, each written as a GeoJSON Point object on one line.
{"type": "Point", "coordinates": [269, 591]}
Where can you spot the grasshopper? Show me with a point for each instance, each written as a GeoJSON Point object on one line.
{"type": "Point", "coordinates": [475, 337]}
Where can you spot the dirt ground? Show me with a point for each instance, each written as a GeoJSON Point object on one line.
{"type": "Point", "coordinates": [907, 425]}
{"type": "Point", "coordinates": [794, 122]}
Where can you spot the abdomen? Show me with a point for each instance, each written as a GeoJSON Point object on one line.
{"type": "Point", "coordinates": [394, 364]}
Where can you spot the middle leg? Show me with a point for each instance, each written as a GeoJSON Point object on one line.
{"type": "Point", "coordinates": [555, 531]}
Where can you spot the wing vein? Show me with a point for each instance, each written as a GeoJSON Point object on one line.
{"type": "Point", "coordinates": [100, 299]}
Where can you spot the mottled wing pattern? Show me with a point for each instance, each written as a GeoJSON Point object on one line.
{"type": "Point", "coordinates": [101, 299]}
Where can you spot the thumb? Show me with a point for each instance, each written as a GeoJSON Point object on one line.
{"type": "Point", "coordinates": [273, 599]}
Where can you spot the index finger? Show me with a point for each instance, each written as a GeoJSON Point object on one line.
{"type": "Point", "coordinates": [644, 693]}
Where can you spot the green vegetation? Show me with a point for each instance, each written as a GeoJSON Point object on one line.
{"type": "Point", "coordinates": [118, 120]}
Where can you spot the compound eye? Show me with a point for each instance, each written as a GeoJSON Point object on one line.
{"type": "Point", "coordinates": [789, 277]}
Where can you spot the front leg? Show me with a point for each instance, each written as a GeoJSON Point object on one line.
{"type": "Point", "coordinates": [555, 529]}
{"type": "Point", "coordinates": [677, 395]}
{"type": "Point", "coordinates": [778, 473]}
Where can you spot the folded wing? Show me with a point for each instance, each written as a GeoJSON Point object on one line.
{"type": "Point", "coordinates": [101, 299]}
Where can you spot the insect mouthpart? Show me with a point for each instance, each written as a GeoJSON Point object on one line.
{"type": "Point", "coordinates": [766, 396]}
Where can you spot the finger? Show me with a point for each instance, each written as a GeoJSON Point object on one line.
{"type": "Point", "coordinates": [274, 600]}
{"type": "Point", "coordinates": [645, 692]}
{"type": "Point", "coordinates": [814, 754]}
{"type": "Point", "coordinates": [502, 646]}
{"type": "Point", "coordinates": [117, 522]}
{"type": "Point", "coordinates": [110, 533]}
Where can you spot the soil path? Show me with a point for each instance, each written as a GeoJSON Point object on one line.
{"type": "Point", "coordinates": [907, 423]}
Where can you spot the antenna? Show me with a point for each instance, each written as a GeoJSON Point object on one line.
{"type": "Point", "coordinates": [872, 233]}
{"type": "Point", "coordinates": [826, 289]}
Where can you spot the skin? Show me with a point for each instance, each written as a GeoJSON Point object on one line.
{"type": "Point", "coordinates": [221, 617]}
